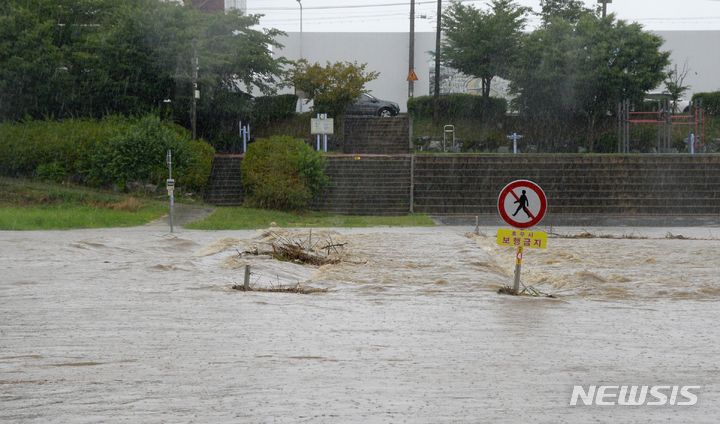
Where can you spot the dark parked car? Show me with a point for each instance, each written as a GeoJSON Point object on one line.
{"type": "Point", "coordinates": [369, 105]}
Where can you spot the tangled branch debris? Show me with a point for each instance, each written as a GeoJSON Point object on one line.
{"type": "Point", "coordinates": [322, 251]}
{"type": "Point", "coordinates": [526, 291]}
{"type": "Point", "coordinates": [298, 289]}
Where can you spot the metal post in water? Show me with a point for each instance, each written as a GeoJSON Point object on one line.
{"type": "Point", "coordinates": [518, 265]}
{"type": "Point", "coordinates": [477, 225]}
{"type": "Point", "coordinates": [246, 280]}
{"type": "Point", "coordinates": [170, 185]}
{"type": "Point", "coordinates": [172, 212]}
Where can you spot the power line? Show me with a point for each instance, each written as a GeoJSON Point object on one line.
{"type": "Point", "coordinates": [350, 6]}
{"type": "Point", "coordinates": [355, 6]}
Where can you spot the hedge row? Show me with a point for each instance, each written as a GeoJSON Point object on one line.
{"type": "Point", "coordinates": [710, 102]}
{"type": "Point", "coordinates": [458, 106]}
{"type": "Point", "coordinates": [114, 151]}
{"type": "Point", "coordinates": [267, 109]}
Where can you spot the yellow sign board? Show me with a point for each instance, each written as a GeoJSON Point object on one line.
{"type": "Point", "coordinates": [412, 76]}
{"type": "Point", "coordinates": [530, 239]}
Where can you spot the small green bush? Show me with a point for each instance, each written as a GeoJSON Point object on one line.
{"type": "Point", "coordinates": [282, 173]}
{"type": "Point", "coordinates": [710, 102]}
{"type": "Point", "coordinates": [454, 106]}
{"type": "Point", "coordinates": [139, 155]}
{"type": "Point", "coordinates": [267, 109]}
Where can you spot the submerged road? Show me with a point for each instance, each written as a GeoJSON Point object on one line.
{"type": "Point", "coordinates": [136, 325]}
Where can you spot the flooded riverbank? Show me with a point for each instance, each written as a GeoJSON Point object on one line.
{"type": "Point", "coordinates": [136, 325]}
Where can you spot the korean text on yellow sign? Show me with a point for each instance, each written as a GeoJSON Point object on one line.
{"type": "Point", "coordinates": [530, 239]}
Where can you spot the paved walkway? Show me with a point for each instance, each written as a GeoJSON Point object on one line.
{"type": "Point", "coordinates": [185, 214]}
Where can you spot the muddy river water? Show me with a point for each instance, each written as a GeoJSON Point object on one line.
{"type": "Point", "coordinates": [140, 326]}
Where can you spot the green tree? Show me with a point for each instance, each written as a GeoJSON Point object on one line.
{"type": "Point", "coordinates": [93, 57]}
{"type": "Point", "coordinates": [581, 70]}
{"type": "Point", "coordinates": [234, 60]}
{"type": "Point", "coordinates": [675, 83]}
{"type": "Point", "coordinates": [566, 10]}
{"type": "Point", "coordinates": [332, 87]}
{"type": "Point", "coordinates": [483, 44]}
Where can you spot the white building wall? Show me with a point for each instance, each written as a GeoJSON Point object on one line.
{"type": "Point", "coordinates": [236, 4]}
{"type": "Point", "coordinates": [700, 50]}
{"type": "Point", "coordinates": [388, 54]}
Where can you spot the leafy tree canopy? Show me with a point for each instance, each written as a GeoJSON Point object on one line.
{"type": "Point", "coordinates": [332, 87]}
{"type": "Point", "coordinates": [567, 10]}
{"type": "Point", "coordinates": [63, 58]}
{"type": "Point", "coordinates": [481, 43]}
{"type": "Point", "coordinates": [583, 69]}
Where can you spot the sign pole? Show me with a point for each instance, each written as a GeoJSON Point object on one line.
{"type": "Point", "coordinates": [518, 266]}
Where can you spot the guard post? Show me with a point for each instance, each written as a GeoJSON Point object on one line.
{"type": "Point", "coordinates": [244, 135]}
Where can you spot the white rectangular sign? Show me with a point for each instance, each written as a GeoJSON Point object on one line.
{"type": "Point", "coordinates": [321, 126]}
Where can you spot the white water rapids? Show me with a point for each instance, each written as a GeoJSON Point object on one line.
{"type": "Point", "coordinates": [136, 325]}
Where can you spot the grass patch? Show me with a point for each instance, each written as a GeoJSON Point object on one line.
{"type": "Point", "coordinates": [237, 218]}
{"type": "Point", "coordinates": [29, 205]}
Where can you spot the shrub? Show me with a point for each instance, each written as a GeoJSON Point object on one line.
{"type": "Point", "coordinates": [267, 109]}
{"type": "Point", "coordinates": [710, 102]}
{"type": "Point", "coordinates": [282, 173]}
{"type": "Point", "coordinates": [43, 148]}
{"type": "Point", "coordinates": [454, 106]}
{"type": "Point", "coordinates": [139, 155]}
{"type": "Point", "coordinates": [114, 150]}
{"type": "Point", "coordinates": [52, 171]}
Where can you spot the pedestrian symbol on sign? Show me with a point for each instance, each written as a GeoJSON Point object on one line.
{"type": "Point", "coordinates": [523, 201]}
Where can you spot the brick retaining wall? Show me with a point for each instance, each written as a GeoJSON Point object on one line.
{"type": "Point", "coordinates": [469, 184]}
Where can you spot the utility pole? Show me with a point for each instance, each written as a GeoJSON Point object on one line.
{"type": "Point", "coordinates": [436, 109]}
{"type": "Point", "coordinates": [195, 91]}
{"type": "Point", "coordinates": [604, 6]}
{"type": "Point", "coordinates": [411, 60]}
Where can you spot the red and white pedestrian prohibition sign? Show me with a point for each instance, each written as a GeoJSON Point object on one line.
{"type": "Point", "coordinates": [522, 204]}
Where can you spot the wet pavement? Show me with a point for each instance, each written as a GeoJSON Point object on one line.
{"type": "Point", "coordinates": [137, 325]}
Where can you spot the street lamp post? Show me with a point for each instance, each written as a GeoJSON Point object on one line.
{"type": "Point", "coordinates": [411, 61]}
{"type": "Point", "coordinates": [301, 31]}
{"type": "Point", "coordinates": [436, 94]}
{"type": "Point", "coordinates": [301, 46]}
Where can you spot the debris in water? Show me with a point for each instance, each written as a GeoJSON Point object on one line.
{"type": "Point", "coordinates": [323, 251]}
{"type": "Point", "coordinates": [299, 289]}
{"type": "Point", "coordinates": [526, 291]}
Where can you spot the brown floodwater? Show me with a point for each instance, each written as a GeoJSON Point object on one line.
{"type": "Point", "coordinates": [137, 325]}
